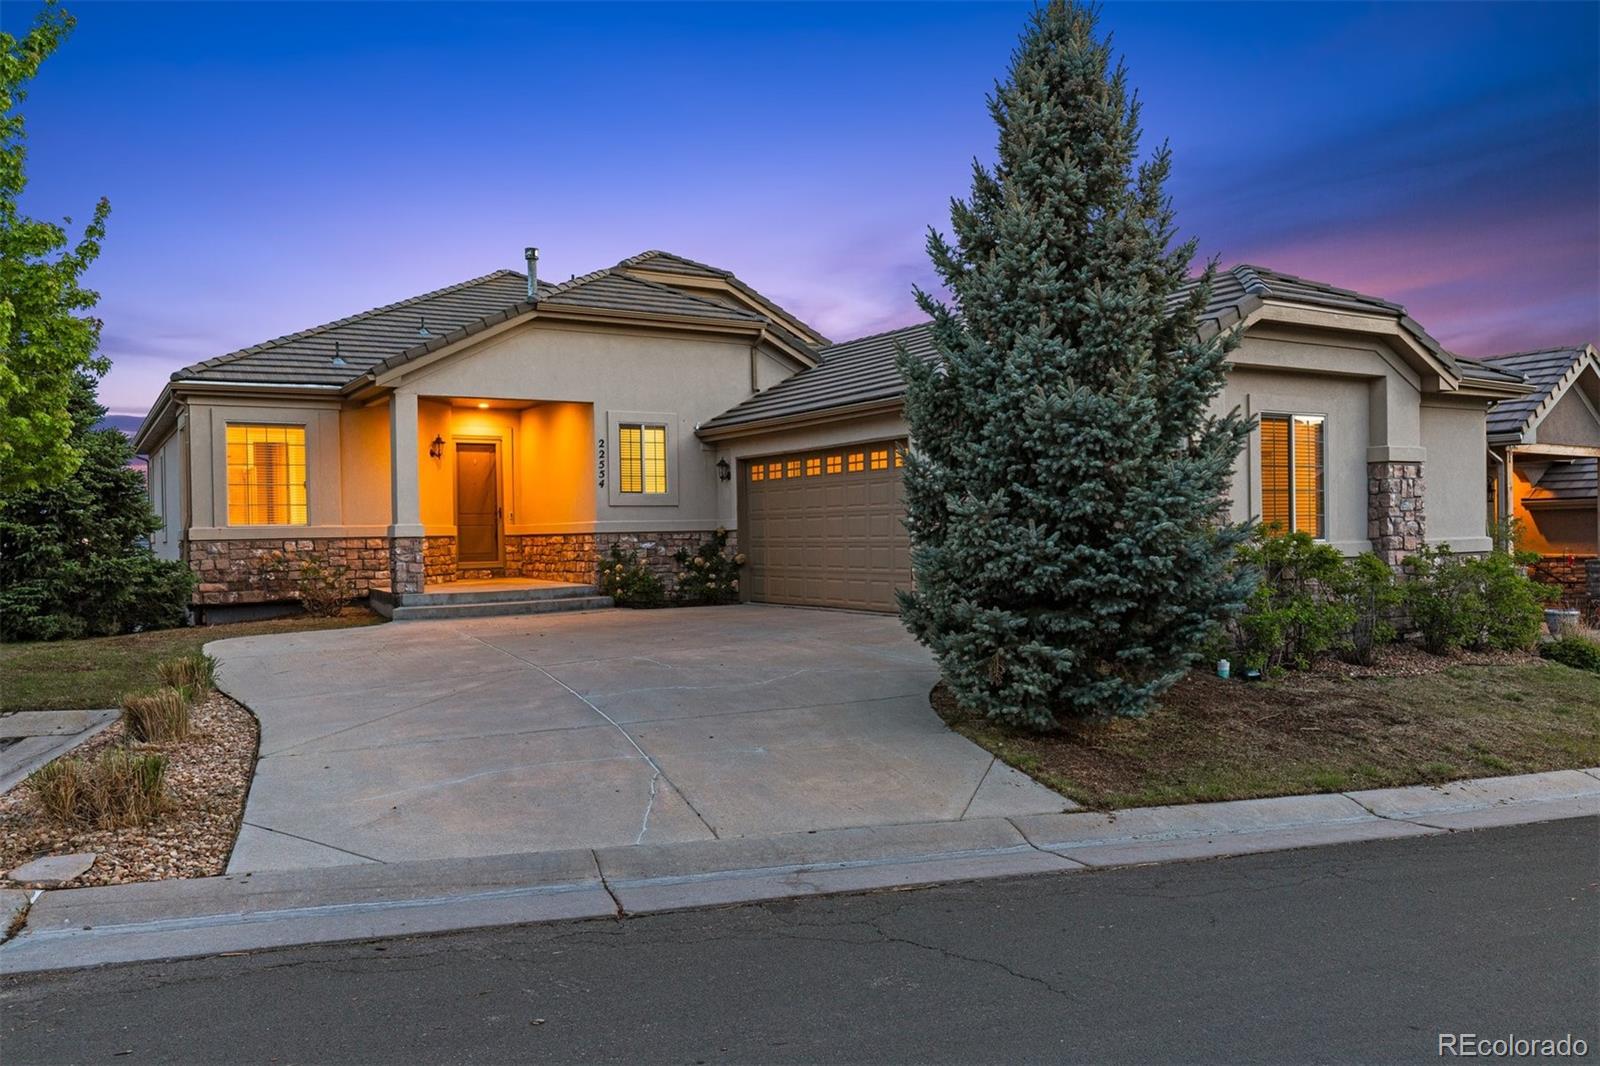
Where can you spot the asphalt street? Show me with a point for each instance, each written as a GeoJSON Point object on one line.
{"type": "Point", "coordinates": [1354, 953]}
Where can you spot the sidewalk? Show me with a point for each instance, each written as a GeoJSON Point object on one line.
{"type": "Point", "coordinates": [249, 912]}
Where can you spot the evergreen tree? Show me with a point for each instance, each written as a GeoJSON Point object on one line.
{"type": "Point", "coordinates": [75, 558]}
{"type": "Point", "coordinates": [1065, 492]}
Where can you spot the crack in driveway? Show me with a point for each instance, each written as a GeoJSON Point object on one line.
{"type": "Point", "coordinates": [657, 775]}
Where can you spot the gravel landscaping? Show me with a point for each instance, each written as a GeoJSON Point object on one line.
{"type": "Point", "coordinates": [208, 776]}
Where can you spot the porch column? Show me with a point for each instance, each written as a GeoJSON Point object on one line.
{"type": "Point", "coordinates": [406, 569]}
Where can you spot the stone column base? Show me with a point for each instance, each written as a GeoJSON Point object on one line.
{"type": "Point", "coordinates": [1397, 522]}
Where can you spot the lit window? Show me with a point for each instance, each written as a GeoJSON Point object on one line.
{"type": "Point", "coordinates": [835, 464]}
{"type": "Point", "coordinates": [899, 457]}
{"type": "Point", "coordinates": [1293, 489]}
{"type": "Point", "coordinates": [857, 461]}
{"type": "Point", "coordinates": [813, 467]}
{"type": "Point", "coordinates": [880, 460]}
{"type": "Point", "coordinates": [757, 472]}
{"type": "Point", "coordinates": [266, 475]}
{"type": "Point", "coordinates": [642, 458]}
{"type": "Point", "coordinates": [794, 468]}
{"type": "Point", "coordinates": [775, 471]}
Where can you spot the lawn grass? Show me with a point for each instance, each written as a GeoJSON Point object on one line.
{"type": "Point", "coordinates": [97, 672]}
{"type": "Point", "coordinates": [1313, 732]}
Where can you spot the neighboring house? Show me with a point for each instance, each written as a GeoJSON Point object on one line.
{"type": "Point", "coordinates": [484, 430]}
{"type": "Point", "coordinates": [1543, 452]}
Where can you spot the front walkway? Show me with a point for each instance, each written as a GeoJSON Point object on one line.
{"type": "Point", "coordinates": [487, 736]}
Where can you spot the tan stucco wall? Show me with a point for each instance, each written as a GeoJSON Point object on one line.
{"type": "Point", "coordinates": [1455, 437]}
{"type": "Point", "coordinates": [682, 379]}
{"type": "Point", "coordinates": [208, 459]}
{"type": "Point", "coordinates": [1343, 401]}
{"type": "Point", "coordinates": [164, 478]}
{"type": "Point", "coordinates": [1571, 421]}
{"type": "Point", "coordinates": [364, 464]}
{"type": "Point", "coordinates": [557, 447]}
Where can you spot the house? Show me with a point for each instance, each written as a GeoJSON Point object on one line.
{"type": "Point", "coordinates": [508, 426]}
{"type": "Point", "coordinates": [1544, 448]}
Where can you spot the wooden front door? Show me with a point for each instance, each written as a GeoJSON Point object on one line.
{"type": "Point", "coordinates": [477, 505]}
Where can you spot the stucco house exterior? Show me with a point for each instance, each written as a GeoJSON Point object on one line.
{"type": "Point", "coordinates": [508, 426]}
{"type": "Point", "coordinates": [1544, 448]}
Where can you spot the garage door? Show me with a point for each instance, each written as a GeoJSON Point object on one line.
{"type": "Point", "coordinates": [824, 527]}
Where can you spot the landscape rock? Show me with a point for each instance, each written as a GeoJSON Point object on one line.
{"type": "Point", "coordinates": [53, 870]}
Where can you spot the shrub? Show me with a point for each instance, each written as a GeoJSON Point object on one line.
{"type": "Point", "coordinates": [1366, 585]}
{"type": "Point", "coordinates": [629, 582]}
{"type": "Point", "coordinates": [709, 574]}
{"type": "Point", "coordinates": [75, 558]}
{"type": "Point", "coordinates": [1578, 652]}
{"type": "Point", "coordinates": [195, 673]}
{"type": "Point", "coordinates": [1477, 602]}
{"type": "Point", "coordinates": [158, 716]}
{"type": "Point", "coordinates": [1293, 617]}
{"type": "Point", "coordinates": [322, 585]}
{"type": "Point", "coordinates": [116, 790]}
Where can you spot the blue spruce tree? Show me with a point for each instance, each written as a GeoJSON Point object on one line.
{"type": "Point", "coordinates": [1065, 493]}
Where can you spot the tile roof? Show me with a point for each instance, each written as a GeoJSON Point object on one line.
{"type": "Point", "coordinates": [1573, 479]}
{"type": "Point", "coordinates": [862, 370]}
{"type": "Point", "coordinates": [1545, 370]}
{"type": "Point", "coordinates": [668, 263]}
{"type": "Point", "coordinates": [386, 336]}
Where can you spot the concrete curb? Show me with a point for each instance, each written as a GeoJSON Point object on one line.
{"type": "Point", "coordinates": [247, 912]}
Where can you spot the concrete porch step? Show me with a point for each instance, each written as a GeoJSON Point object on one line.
{"type": "Point", "coordinates": [488, 598]}
{"type": "Point", "coordinates": [496, 608]}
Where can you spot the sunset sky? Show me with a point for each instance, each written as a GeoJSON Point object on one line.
{"type": "Point", "coordinates": [273, 167]}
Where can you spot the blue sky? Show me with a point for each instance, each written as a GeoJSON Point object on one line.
{"type": "Point", "coordinates": [271, 167]}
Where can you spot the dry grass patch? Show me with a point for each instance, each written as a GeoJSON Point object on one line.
{"type": "Point", "coordinates": [118, 789]}
{"type": "Point", "coordinates": [195, 673]}
{"type": "Point", "coordinates": [1409, 719]}
{"type": "Point", "coordinates": [157, 717]}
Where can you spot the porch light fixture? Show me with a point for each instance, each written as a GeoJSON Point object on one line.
{"type": "Point", "coordinates": [724, 471]}
{"type": "Point", "coordinates": [436, 449]}
{"type": "Point", "coordinates": [483, 407]}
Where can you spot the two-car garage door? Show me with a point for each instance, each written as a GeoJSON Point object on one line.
{"type": "Point", "coordinates": [824, 527]}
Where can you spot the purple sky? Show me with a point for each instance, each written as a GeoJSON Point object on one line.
{"type": "Point", "coordinates": [273, 167]}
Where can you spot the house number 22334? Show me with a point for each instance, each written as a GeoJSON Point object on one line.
{"type": "Point", "coordinates": [600, 463]}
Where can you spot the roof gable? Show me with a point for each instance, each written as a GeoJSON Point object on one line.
{"type": "Point", "coordinates": [694, 274]}
{"type": "Point", "coordinates": [1551, 372]}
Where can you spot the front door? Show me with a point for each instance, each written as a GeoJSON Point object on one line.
{"type": "Point", "coordinates": [477, 505]}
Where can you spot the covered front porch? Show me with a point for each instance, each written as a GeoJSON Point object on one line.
{"type": "Point", "coordinates": [1547, 493]}
{"type": "Point", "coordinates": [490, 488]}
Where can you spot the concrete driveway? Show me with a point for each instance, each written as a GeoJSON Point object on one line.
{"type": "Point", "coordinates": [425, 740]}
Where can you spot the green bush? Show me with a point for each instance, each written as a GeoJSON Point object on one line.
{"type": "Point", "coordinates": [709, 574]}
{"type": "Point", "coordinates": [75, 558]}
{"type": "Point", "coordinates": [1578, 652]}
{"type": "Point", "coordinates": [1479, 602]}
{"type": "Point", "coordinates": [629, 582]}
{"type": "Point", "coordinates": [1292, 618]}
{"type": "Point", "coordinates": [1366, 585]}
{"type": "Point", "coordinates": [322, 585]}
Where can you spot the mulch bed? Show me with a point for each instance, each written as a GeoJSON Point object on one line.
{"type": "Point", "coordinates": [208, 777]}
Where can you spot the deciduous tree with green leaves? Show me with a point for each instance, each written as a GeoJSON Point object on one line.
{"type": "Point", "coordinates": [1065, 491]}
{"type": "Point", "coordinates": [46, 340]}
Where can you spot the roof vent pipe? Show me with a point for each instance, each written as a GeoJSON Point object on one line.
{"type": "Point", "coordinates": [532, 256]}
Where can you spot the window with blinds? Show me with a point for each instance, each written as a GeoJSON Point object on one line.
{"type": "Point", "coordinates": [266, 475]}
{"type": "Point", "coordinates": [642, 458]}
{"type": "Point", "coordinates": [1293, 473]}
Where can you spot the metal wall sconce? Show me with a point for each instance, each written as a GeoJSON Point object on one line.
{"type": "Point", "coordinates": [436, 449]}
{"type": "Point", "coordinates": [724, 471]}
